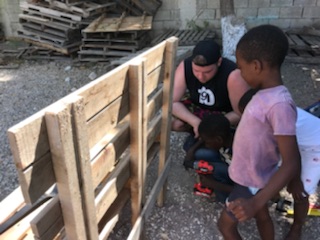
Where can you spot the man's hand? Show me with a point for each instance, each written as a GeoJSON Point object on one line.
{"type": "Point", "coordinates": [195, 125]}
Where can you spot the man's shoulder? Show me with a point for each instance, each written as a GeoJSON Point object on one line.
{"type": "Point", "coordinates": [227, 62]}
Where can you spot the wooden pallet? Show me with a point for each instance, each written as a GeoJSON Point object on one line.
{"type": "Point", "coordinates": [139, 7]}
{"type": "Point", "coordinates": [94, 146]}
{"type": "Point", "coordinates": [186, 37]}
{"type": "Point", "coordinates": [36, 53]}
{"type": "Point", "coordinates": [42, 41]}
{"type": "Point", "coordinates": [50, 29]}
{"type": "Point", "coordinates": [82, 8]}
{"type": "Point", "coordinates": [108, 36]}
{"type": "Point", "coordinates": [304, 46]}
{"type": "Point", "coordinates": [45, 9]}
{"type": "Point", "coordinates": [120, 24]}
{"type": "Point", "coordinates": [28, 13]}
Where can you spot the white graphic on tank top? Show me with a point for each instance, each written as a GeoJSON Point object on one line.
{"type": "Point", "coordinates": [206, 96]}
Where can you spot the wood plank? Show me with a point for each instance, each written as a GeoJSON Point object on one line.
{"type": "Point", "coordinates": [114, 185]}
{"type": "Point", "coordinates": [154, 80]}
{"type": "Point", "coordinates": [107, 119]}
{"type": "Point", "coordinates": [297, 59]}
{"type": "Point", "coordinates": [129, 8]}
{"type": "Point", "coordinates": [37, 179]}
{"type": "Point", "coordinates": [115, 143]}
{"type": "Point", "coordinates": [58, 120]}
{"type": "Point", "coordinates": [119, 24]}
{"type": "Point", "coordinates": [49, 222]}
{"type": "Point", "coordinates": [11, 204]}
{"type": "Point", "coordinates": [45, 43]}
{"type": "Point", "coordinates": [170, 55]}
{"type": "Point", "coordinates": [154, 129]}
{"type": "Point", "coordinates": [21, 229]}
{"type": "Point", "coordinates": [103, 90]}
{"type": "Point", "coordinates": [54, 19]}
{"type": "Point", "coordinates": [86, 9]}
{"type": "Point", "coordinates": [112, 216]}
{"type": "Point", "coordinates": [29, 140]}
{"type": "Point", "coordinates": [45, 10]}
{"type": "Point", "coordinates": [305, 31]}
{"type": "Point", "coordinates": [154, 105]}
{"type": "Point", "coordinates": [297, 40]}
{"type": "Point", "coordinates": [83, 162]}
{"type": "Point", "coordinates": [154, 56]}
{"type": "Point", "coordinates": [137, 134]}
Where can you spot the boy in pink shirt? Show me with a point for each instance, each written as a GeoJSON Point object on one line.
{"type": "Point", "coordinates": [265, 133]}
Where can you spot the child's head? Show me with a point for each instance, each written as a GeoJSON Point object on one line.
{"type": "Point", "coordinates": [214, 130]}
{"type": "Point", "coordinates": [266, 43]}
{"type": "Point", "coordinates": [245, 99]}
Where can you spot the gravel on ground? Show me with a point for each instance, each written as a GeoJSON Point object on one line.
{"type": "Point", "coordinates": [34, 85]}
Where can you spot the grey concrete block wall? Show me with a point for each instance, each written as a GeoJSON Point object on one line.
{"type": "Point", "coordinates": [187, 14]}
{"type": "Point", "coordinates": [9, 16]}
{"type": "Point", "coordinates": [283, 13]}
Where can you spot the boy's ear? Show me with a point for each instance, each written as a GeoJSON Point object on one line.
{"type": "Point", "coordinates": [258, 65]}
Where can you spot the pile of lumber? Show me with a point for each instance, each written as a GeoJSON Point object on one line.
{"type": "Point", "coordinates": [304, 45]}
{"type": "Point", "coordinates": [108, 38]}
{"type": "Point", "coordinates": [57, 25]}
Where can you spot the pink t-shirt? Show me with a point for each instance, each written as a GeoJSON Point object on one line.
{"type": "Point", "coordinates": [255, 153]}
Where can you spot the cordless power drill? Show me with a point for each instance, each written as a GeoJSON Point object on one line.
{"type": "Point", "coordinates": [202, 167]}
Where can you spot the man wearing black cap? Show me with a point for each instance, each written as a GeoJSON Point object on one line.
{"type": "Point", "coordinates": [205, 83]}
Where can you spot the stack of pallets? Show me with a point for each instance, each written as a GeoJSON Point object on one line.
{"type": "Point", "coordinates": [108, 38]}
{"type": "Point", "coordinates": [57, 25]}
{"type": "Point", "coordinates": [304, 45]}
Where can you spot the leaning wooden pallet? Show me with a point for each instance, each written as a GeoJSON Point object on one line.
{"type": "Point", "coordinates": [86, 155]}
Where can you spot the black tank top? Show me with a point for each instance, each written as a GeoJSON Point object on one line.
{"type": "Point", "coordinates": [213, 94]}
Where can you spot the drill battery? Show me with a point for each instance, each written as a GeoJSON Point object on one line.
{"type": "Point", "coordinates": [201, 166]}
{"type": "Point", "coordinates": [202, 191]}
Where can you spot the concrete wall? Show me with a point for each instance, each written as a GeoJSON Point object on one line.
{"type": "Point", "coordinates": [183, 14]}
{"type": "Point", "coordinates": [283, 13]}
{"type": "Point", "coordinates": [9, 16]}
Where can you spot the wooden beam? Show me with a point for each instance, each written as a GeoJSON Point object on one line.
{"type": "Point", "coordinates": [170, 55]}
{"type": "Point", "coordinates": [58, 120]}
{"type": "Point", "coordinates": [84, 165]}
{"type": "Point", "coordinates": [137, 137]}
{"type": "Point", "coordinates": [138, 226]}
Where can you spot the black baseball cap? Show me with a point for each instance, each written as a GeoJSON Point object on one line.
{"type": "Point", "coordinates": [209, 49]}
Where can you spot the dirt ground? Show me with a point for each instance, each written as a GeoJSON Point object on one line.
{"type": "Point", "coordinates": [188, 217]}
{"type": "Point", "coordinates": [33, 85]}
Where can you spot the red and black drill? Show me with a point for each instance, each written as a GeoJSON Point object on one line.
{"type": "Point", "coordinates": [202, 167]}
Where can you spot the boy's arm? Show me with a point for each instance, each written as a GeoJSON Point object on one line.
{"type": "Point", "coordinates": [291, 166]}
{"type": "Point", "coordinates": [192, 150]}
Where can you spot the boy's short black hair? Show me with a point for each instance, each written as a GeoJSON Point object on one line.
{"type": "Point", "coordinates": [214, 125]}
{"type": "Point", "coordinates": [265, 43]}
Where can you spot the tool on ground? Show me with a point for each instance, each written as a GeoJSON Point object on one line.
{"type": "Point", "coordinates": [201, 166]}
{"type": "Point", "coordinates": [202, 191]}
{"type": "Point", "coordinates": [286, 206]}
{"type": "Point", "coordinates": [204, 168]}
